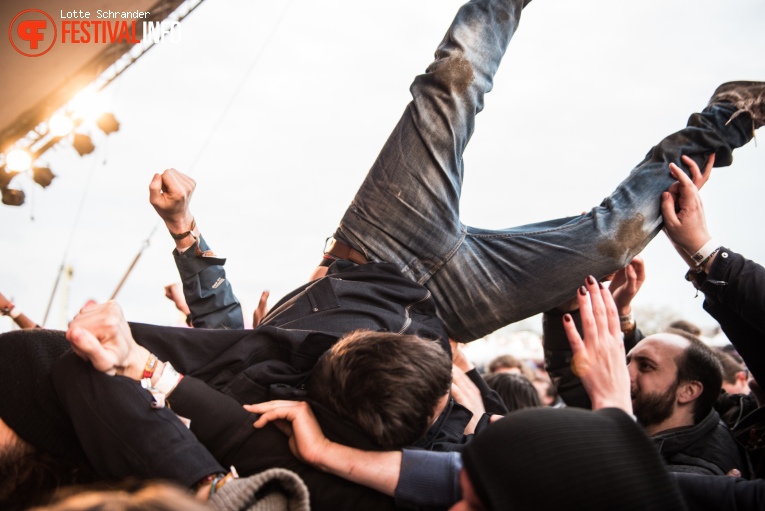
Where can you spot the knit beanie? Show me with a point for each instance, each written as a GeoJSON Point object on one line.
{"type": "Point", "coordinates": [567, 458]}
{"type": "Point", "coordinates": [29, 405]}
{"type": "Point", "coordinates": [276, 489]}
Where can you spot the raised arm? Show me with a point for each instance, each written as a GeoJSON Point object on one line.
{"type": "Point", "coordinates": [732, 285]}
{"type": "Point", "coordinates": [599, 356]}
{"type": "Point", "coordinates": [208, 293]}
{"type": "Point", "coordinates": [7, 308]}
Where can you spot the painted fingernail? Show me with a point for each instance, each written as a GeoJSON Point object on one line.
{"type": "Point", "coordinates": [567, 318]}
{"type": "Point", "coordinates": [591, 280]}
{"type": "Point", "coordinates": [600, 285]}
{"type": "Point", "coordinates": [582, 290]}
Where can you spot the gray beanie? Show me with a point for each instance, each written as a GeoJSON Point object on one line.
{"type": "Point", "coordinates": [276, 489]}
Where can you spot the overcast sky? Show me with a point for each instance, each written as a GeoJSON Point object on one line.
{"type": "Point", "coordinates": [278, 109]}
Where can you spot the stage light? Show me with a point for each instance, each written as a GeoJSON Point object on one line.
{"type": "Point", "coordinates": [107, 123]}
{"type": "Point", "coordinates": [82, 144]}
{"type": "Point", "coordinates": [43, 176]}
{"type": "Point", "coordinates": [18, 159]}
{"type": "Point", "coordinates": [60, 125]}
{"type": "Point", "coordinates": [13, 197]}
{"type": "Point", "coordinates": [88, 104]}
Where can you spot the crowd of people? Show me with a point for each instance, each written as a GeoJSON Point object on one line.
{"type": "Point", "coordinates": [353, 391]}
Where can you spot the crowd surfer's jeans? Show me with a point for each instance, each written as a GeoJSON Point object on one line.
{"type": "Point", "coordinates": [407, 209]}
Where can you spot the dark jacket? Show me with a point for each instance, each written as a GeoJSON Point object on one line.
{"type": "Point", "coordinates": [704, 448]}
{"type": "Point", "coordinates": [734, 292]}
{"type": "Point", "coordinates": [226, 368]}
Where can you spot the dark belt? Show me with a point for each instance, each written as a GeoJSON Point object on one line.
{"type": "Point", "coordinates": [339, 250]}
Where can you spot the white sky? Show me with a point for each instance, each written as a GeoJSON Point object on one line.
{"type": "Point", "coordinates": [585, 90]}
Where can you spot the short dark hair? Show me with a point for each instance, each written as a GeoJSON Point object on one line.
{"type": "Point", "coordinates": [516, 390]}
{"type": "Point", "coordinates": [505, 362]}
{"type": "Point", "coordinates": [30, 477]}
{"type": "Point", "coordinates": [699, 363]}
{"type": "Point", "coordinates": [387, 384]}
{"type": "Point", "coordinates": [685, 326]}
{"type": "Point", "coordinates": [730, 366]}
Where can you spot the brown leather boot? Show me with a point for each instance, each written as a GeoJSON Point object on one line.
{"type": "Point", "coordinates": [747, 97]}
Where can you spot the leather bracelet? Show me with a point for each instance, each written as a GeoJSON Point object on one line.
{"type": "Point", "coordinates": [183, 235]}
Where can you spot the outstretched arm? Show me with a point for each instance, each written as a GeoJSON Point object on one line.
{"type": "Point", "coordinates": [599, 356]}
{"type": "Point", "coordinates": [9, 309]}
{"type": "Point", "coordinates": [208, 293]}
{"type": "Point", "coordinates": [377, 470]}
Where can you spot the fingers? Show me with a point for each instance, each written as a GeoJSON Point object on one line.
{"type": "Point", "coordinates": [697, 177]}
{"type": "Point", "coordinates": [612, 313]}
{"type": "Point", "coordinates": [275, 410]}
{"type": "Point", "coordinates": [88, 347]}
{"type": "Point", "coordinates": [260, 311]}
{"type": "Point", "coordinates": [155, 189]}
{"type": "Point", "coordinates": [598, 307]}
{"type": "Point", "coordinates": [574, 339]}
{"type": "Point", "coordinates": [668, 209]}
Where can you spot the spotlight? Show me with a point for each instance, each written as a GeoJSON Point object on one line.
{"type": "Point", "coordinates": [42, 176]}
{"type": "Point", "coordinates": [60, 125]}
{"type": "Point", "coordinates": [18, 159]}
{"type": "Point", "coordinates": [82, 144]}
{"type": "Point", "coordinates": [12, 197]}
{"type": "Point", "coordinates": [108, 123]}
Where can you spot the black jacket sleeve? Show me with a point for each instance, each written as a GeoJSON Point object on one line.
{"type": "Point", "coordinates": [734, 293]}
{"type": "Point", "coordinates": [207, 291]}
{"type": "Point", "coordinates": [720, 493]}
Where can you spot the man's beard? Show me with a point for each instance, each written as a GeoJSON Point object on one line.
{"type": "Point", "coordinates": [653, 408]}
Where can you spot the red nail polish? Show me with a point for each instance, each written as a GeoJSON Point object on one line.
{"type": "Point", "coordinates": [582, 290]}
{"type": "Point", "coordinates": [591, 280]}
{"type": "Point", "coordinates": [567, 318]}
{"type": "Point", "coordinates": [600, 285]}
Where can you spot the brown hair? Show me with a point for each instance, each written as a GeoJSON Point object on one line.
{"type": "Point", "coordinates": [152, 496]}
{"type": "Point", "coordinates": [387, 384]}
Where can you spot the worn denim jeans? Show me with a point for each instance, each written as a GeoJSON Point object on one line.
{"type": "Point", "coordinates": [407, 210]}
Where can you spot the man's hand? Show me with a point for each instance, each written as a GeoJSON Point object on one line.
{"type": "Point", "coordinates": [626, 283]}
{"type": "Point", "coordinates": [262, 309]}
{"type": "Point", "coordinates": [306, 440]}
{"type": "Point", "coordinates": [170, 194]}
{"type": "Point", "coordinates": [101, 335]}
{"type": "Point", "coordinates": [683, 212]}
{"type": "Point", "coordinates": [599, 358]}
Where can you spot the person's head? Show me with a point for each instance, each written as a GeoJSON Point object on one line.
{"type": "Point", "coordinates": [685, 326]}
{"type": "Point", "coordinates": [735, 375]}
{"type": "Point", "coordinates": [675, 380]}
{"type": "Point", "coordinates": [595, 460]}
{"type": "Point", "coordinates": [546, 391]}
{"type": "Point", "coordinates": [151, 496]}
{"type": "Point", "coordinates": [516, 390]}
{"type": "Point", "coordinates": [510, 364]}
{"type": "Point", "coordinates": [391, 386]}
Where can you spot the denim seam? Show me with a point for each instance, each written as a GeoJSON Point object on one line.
{"type": "Point", "coordinates": [434, 269]}
{"type": "Point", "coordinates": [530, 233]}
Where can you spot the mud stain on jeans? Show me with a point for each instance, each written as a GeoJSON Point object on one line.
{"type": "Point", "coordinates": [629, 235]}
{"type": "Point", "coordinates": [456, 73]}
